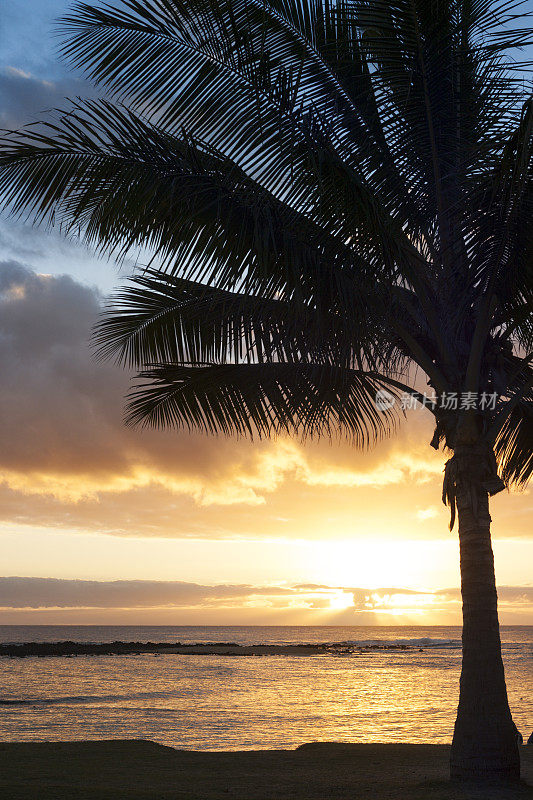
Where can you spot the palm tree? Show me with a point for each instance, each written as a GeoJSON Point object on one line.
{"type": "Point", "coordinates": [336, 196]}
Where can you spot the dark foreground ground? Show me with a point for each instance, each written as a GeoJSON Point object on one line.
{"type": "Point", "coordinates": [148, 771]}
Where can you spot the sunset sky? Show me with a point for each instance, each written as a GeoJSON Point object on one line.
{"type": "Point", "coordinates": [105, 524]}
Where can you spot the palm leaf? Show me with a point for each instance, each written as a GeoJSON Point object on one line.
{"type": "Point", "coordinates": [161, 318]}
{"type": "Point", "coordinates": [102, 170]}
{"type": "Point", "coordinates": [513, 447]}
{"type": "Point", "coordinates": [233, 98]}
{"type": "Point", "coordinates": [262, 399]}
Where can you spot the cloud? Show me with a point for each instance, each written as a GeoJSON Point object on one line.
{"type": "Point", "coordinates": [56, 601]}
{"type": "Point", "coordinates": [16, 592]}
{"type": "Point", "coordinates": [22, 592]}
{"type": "Point", "coordinates": [67, 460]}
{"type": "Point", "coordinates": [62, 433]}
{"type": "Point", "coordinates": [69, 594]}
{"type": "Point", "coordinates": [507, 595]}
{"type": "Point", "coordinates": [24, 96]}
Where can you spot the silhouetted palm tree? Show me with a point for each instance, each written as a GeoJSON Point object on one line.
{"type": "Point", "coordinates": [335, 193]}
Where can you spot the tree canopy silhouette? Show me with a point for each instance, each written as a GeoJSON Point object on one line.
{"type": "Point", "coordinates": [337, 197]}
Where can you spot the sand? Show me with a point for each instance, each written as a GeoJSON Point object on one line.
{"type": "Point", "coordinates": [109, 770]}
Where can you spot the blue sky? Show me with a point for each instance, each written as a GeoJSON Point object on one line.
{"type": "Point", "coordinates": [27, 35]}
{"type": "Point", "coordinates": [32, 79]}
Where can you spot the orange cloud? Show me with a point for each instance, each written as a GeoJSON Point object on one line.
{"type": "Point", "coordinates": [67, 460]}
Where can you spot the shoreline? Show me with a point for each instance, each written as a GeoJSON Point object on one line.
{"type": "Point", "coordinates": [121, 769]}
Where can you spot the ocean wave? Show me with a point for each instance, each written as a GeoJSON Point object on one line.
{"type": "Point", "coordinates": [426, 641]}
{"type": "Point", "coordinates": [83, 699]}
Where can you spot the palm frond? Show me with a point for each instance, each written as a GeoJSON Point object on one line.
{"type": "Point", "coordinates": [235, 98]}
{"type": "Point", "coordinates": [504, 203]}
{"type": "Point", "coordinates": [309, 400]}
{"type": "Point", "coordinates": [248, 77]}
{"type": "Point", "coordinates": [514, 446]}
{"type": "Point", "coordinates": [162, 318]}
{"type": "Point", "coordinates": [103, 171]}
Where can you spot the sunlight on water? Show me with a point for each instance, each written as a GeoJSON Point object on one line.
{"type": "Point", "coordinates": [224, 702]}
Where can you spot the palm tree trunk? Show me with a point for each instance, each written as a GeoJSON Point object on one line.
{"type": "Point", "coordinates": [485, 741]}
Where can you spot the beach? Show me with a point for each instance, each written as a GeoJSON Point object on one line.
{"type": "Point", "coordinates": [321, 771]}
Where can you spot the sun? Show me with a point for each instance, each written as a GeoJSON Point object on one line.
{"type": "Point", "coordinates": [374, 563]}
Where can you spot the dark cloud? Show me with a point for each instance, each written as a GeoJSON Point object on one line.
{"type": "Point", "coordinates": [61, 410]}
{"type": "Point", "coordinates": [23, 97]}
{"type": "Point", "coordinates": [55, 403]}
{"type": "Point", "coordinates": [506, 594]}
{"type": "Point", "coordinates": [62, 438]}
{"type": "Point", "coordinates": [16, 592]}
{"type": "Point", "coordinates": [22, 592]}
{"type": "Point", "coordinates": [67, 460]}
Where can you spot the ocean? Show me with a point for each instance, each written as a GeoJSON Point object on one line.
{"type": "Point", "coordinates": [211, 702]}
